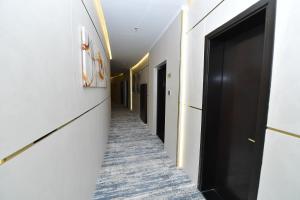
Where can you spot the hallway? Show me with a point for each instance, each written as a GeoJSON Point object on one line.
{"type": "Point", "coordinates": [135, 165]}
{"type": "Point", "coordinates": [150, 99]}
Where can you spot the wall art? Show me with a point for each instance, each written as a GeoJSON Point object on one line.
{"type": "Point", "coordinates": [93, 68]}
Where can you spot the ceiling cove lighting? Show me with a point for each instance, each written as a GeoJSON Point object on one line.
{"type": "Point", "coordinates": [140, 62]}
{"type": "Point", "coordinates": [119, 75]}
{"type": "Point", "coordinates": [103, 26]}
{"type": "Point", "coordinates": [131, 70]}
{"type": "Point", "coordinates": [183, 92]}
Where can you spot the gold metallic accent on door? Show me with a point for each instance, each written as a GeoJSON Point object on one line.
{"type": "Point", "coordinates": [284, 132]}
{"type": "Point", "coordinates": [251, 140]}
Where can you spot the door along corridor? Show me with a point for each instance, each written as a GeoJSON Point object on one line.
{"type": "Point", "coordinates": [135, 165]}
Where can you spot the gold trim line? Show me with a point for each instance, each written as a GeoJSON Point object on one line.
{"type": "Point", "coordinates": [284, 132]}
{"type": "Point", "coordinates": [197, 108]}
{"type": "Point", "coordinates": [11, 156]}
{"type": "Point", "coordinates": [23, 149]}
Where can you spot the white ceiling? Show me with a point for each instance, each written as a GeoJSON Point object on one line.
{"type": "Point", "coordinates": [123, 16]}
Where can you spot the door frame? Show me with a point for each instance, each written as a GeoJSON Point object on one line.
{"type": "Point", "coordinates": [156, 69]}
{"type": "Point", "coordinates": [141, 102]}
{"type": "Point", "coordinates": [264, 92]}
{"type": "Point", "coordinates": [122, 92]}
{"type": "Point", "coordinates": [125, 93]}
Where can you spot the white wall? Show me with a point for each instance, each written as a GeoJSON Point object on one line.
{"type": "Point", "coordinates": [166, 49]}
{"type": "Point", "coordinates": [41, 90]}
{"type": "Point", "coordinates": [62, 166]}
{"type": "Point", "coordinates": [279, 175]}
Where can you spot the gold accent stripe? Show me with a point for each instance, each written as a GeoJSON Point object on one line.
{"type": "Point", "coordinates": [284, 132]}
{"type": "Point", "coordinates": [23, 149]}
{"type": "Point", "coordinates": [11, 156]}
{"type": "Point", "coordinates": [205, 16]}
{"type": "Point", "coordinates": [194, 107]}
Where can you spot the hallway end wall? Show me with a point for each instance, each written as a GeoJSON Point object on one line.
{"type": "Point", "coordinates": [168, 49]}
{"type": "Point", "coordinates": [41, 90]}
{"type": "Point", "coordinates": [116, 88]}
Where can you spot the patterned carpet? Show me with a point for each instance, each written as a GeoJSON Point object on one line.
{"type": "Point", "coordinates": [136, 166]}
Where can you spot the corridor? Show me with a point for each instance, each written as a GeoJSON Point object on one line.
{"type": "Point", "coordinates": [150, 99]}
{"type": "Point", "coordinates": [136, 166]}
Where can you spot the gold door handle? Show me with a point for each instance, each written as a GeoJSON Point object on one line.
{"type": "Point", "coordinates": [251, 140]}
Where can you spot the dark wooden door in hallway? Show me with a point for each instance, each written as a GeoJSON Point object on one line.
{"type": "Point", "coordinates": [143, 103]}
{"type": "Point", "coordinates": [122, 92]}
{"type": "Point", "coordinates": [161, 102]}
{"type": "Point", "coordinates": [238, 110]}
{"type": "Point", "coordinates": [235, 102]}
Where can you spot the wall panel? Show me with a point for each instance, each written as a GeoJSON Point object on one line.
{"type": "Point", "coordinates": [63, 166]}
{"type": "Point", "coordinates": [198, 9]}
{"type": "Point", "coordinates": [191, 149]}
{"type": "Point", "coordinates": [41, 89]}
{"type": "Point", "coordinates": [194, 67]}
{"type": "Point", "coordinates": [166, 49]}
{"type": "Point", "coordinates": [280, 177]}
{"type": "Point", "coordinates": [41, 69]}
{"type": "Point", "coordinates": [284, 109]}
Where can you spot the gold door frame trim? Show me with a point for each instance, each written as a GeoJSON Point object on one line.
{"type": "Point", "coordinates": [23, 149]}
{"type": "Point", "coordinates": [284, 132]}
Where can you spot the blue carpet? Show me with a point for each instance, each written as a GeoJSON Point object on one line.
{"type": "Point", "coordinates": [136, 166]}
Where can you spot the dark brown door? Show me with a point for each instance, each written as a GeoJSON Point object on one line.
{"type": "Point", "coordinates": [234, 92]}
{"type": "Point", "coordinates": [143, 102]}
{"type": "Point", "coordinates": [161, 102]}
{"type": "Point", "coordinates": [238, 110]}
{"type": "Point", "coordinates": [127, 94]}
{"type": "Point", "coordinates": [122, 92]}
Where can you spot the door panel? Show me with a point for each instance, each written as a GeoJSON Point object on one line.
{"type": "Point", "coordinates": [143, 103]}
{"type": "Point", "coordinates": [161, 102]}
{"type": "Point", "coordinates": [238, 110]}
{"type": "Point", "coordinates": [127, 94]}
{"type": "Point", "coordinates": [122, 92]}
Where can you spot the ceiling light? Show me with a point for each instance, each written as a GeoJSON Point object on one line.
{"type": "Point", "coordinates": [103, 26]}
